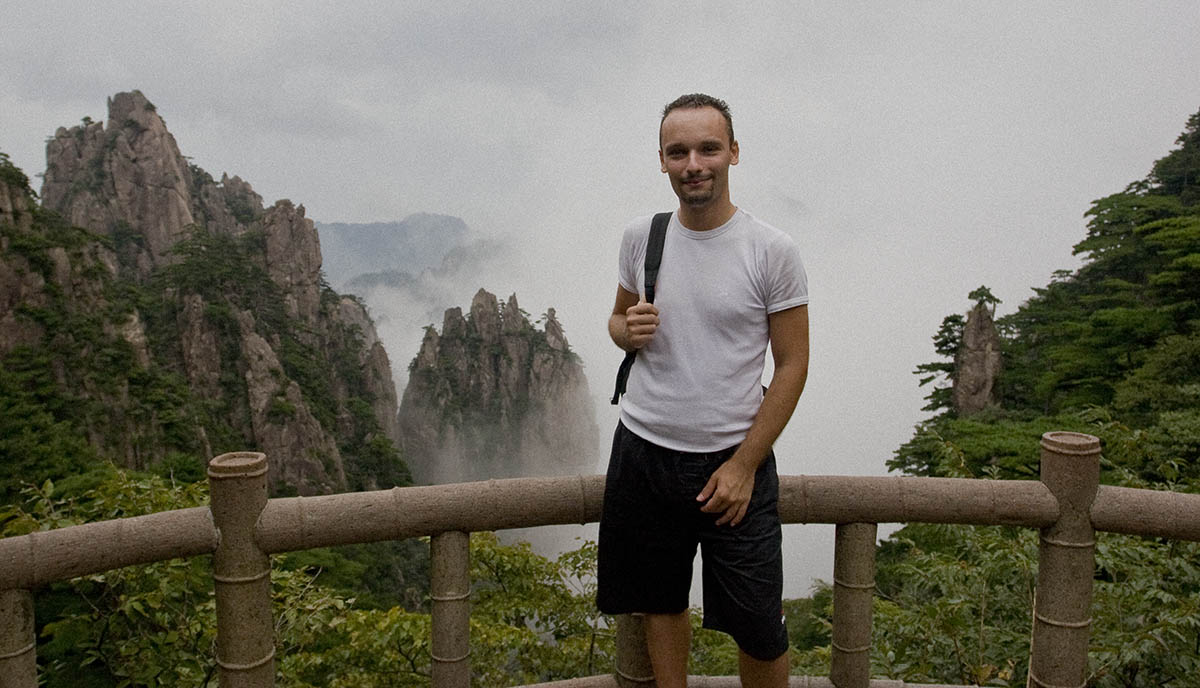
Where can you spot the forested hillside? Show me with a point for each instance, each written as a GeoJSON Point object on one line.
{"type": "Point", "coordinates": [156, 317]}
{"type": "Point", "coordinates": [152, 317]}
{"type": "Point", "coordinates": [1111, 349]}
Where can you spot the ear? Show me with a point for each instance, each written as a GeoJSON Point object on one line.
{"type": "Point", "coordinates": [733, 151]}
{"type": "Point", "coordinates": [662, 162]}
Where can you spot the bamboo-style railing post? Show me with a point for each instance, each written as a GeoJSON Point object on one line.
{"type": "Point", "coordinates": [1066, 563]}
{"type": "Point", "coordinates": [853, 589]}
{"type": "Point", "coordinates": [242, 572]}
{"type": "Point", "coordinates": [18, 646]}
{"type": "Point", "coordinates": [633, 668]}
{"type": "Point", "coordinates": [450, 587]}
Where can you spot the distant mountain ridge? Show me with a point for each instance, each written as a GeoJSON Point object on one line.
{"type": "Point", "coordinates": [410, 246]}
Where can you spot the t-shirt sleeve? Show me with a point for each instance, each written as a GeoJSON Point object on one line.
{"type": "Point", "coordinates": [632, 257]}
{"type": "Point", "coordinates": [787, 282]}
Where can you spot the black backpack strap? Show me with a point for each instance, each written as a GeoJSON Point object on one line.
{"type": "Point", "coordinates": [654, 251]}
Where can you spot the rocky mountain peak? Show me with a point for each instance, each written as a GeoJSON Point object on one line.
{"type": "Point", "coordinates": [511, 316]}
{"type": "Point", "coordinates": [127, 180]}
{"type": "Point", "coordinates": [485, 316]}
{"type": "Point", "coordinates": [977, 364]}
{"type": "Point", "coordinates": [230, 307]}
{"type": "Point", "coordinates": [555, 336]}
{"type": "Point", "coordinates": [293, 258]}
{"type": "Point", "coordinates": [491, 396]}
{"type": "Point", "coordinates": [133, 107]}
{"type": "Point", "coordinates": [124, 175]}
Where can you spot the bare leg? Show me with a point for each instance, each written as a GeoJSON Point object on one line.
{"type": "Point", "coordinates": [759, 674]}
{"type": "Point", "coordinates": [669, 640]}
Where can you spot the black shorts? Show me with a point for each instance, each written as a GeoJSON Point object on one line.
{"type": "Point", "coordinates": [649, 529]}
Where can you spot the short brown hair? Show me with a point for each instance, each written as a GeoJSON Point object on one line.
{"type": "Point", "coordinates": [699, 100]}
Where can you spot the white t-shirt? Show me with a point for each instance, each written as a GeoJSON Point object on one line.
{"type": "Point", "coordinates": [697, 385]}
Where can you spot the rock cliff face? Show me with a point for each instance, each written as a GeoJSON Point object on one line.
{"type": "Point", "coordinates": [275, 360]}
{"type": "Point", "coordinates": [16, 206]}
{"type": "Point", "coordinates": [493, 397]}
{"type": "Point", "coordinates": [127, 180]}
{"type": "Point", "coordinates": [18, 283]}
{"type": "Point", "coordinates": [977, 363]}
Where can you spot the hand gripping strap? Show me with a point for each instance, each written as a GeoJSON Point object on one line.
{"type": "Point", "coordinates": [654, 251]}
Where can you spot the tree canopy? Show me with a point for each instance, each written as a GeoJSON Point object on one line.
{"type": "Point", "coordinates": [1111, 349]}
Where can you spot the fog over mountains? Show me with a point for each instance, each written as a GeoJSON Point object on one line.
{"type": "Point", "coordinates": [408, 247]}
{"type": "Point", "coordinates": [415, 276]}
{"type": "Point", "coordinates": [407, 272]}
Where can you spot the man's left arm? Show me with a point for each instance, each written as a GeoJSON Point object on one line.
{"type": "Point", "coordinates": [728, 490]}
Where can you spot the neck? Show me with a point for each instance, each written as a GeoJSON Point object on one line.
{"type": "Point", "coordinates": [707, 217]}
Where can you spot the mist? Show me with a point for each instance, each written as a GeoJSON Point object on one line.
{"type": "Point", "coordinates": [528, 265]}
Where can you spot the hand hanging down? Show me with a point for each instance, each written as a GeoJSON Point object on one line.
{"type": "Point", "coordinates": [728, 492]}
{"type": "Point", "coordinates": [730, 486]}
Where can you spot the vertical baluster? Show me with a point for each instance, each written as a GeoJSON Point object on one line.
{"type": "Point", "coordinates": [242, 572]}
{"type": "Point", "coordinates": [633, 659]}
{"type": "Point", "coordinates": [450, 583]}
{"type": "Point", "coordinates": [1066, 563]}
{"type": "Point", "coordinates": [853, 586]}
{"type": "Point", "coordinates": [18, 647]}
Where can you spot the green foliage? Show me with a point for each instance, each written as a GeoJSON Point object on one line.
{"type": "Point", "coordinates": [380, 575]}
{"type": "Point", "coordinates": [809, 618]}
{"type": "Point", "coordinates": [532, 619]}
{"type": "Point", "coordinates": [957, 611]}
{"type": "Point", "coordinates": [12, 175]}
{"type": "Point", "coordinates": [1178, 174]}
{"type": "Point", "coordinates": [150, 625]}
{"type": "Point", "coordinates": [983, 296]}
{"type": "Point", "coordinates": [219, 268]}
{"type": "Point", "coordinates": [954, 600]}
{"type": "Point", "coordinates": [954, 606]}
{"type": "Point", "coordinates": [228, 274]}
{"type": "Point", "coordinates": [1146, 612]}
{"type": "Point", "coordinates": [80, 392]}
{"type": "Point", "coordinates": [243, 208]}
{"type": "Point", "coordinates": [946, 343]}
{"type": "Point", "coordinates": [1079, 338]}
{"type": "Point", "coordinates": [993, 443]}
{"type": "Point", "coordinates": [1111, 349]}
{"type": "Point", "coordinates": [280, 410]}
{"type": "Point", "coordinates": [36, 439]}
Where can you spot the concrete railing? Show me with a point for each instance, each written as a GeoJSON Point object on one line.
{"type": "Point", "coordinates": [242, 528]}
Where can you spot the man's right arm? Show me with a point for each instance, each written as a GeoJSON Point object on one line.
{"type": "Point", "coordinates": [633, 321]}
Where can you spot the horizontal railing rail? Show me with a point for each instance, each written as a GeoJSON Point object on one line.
{"type": "Point", "coordinates": [296, 523]}
{"type": "Point", "coordinates": [242, 527]}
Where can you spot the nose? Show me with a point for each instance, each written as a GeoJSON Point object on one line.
{"type": "Point", "coordinates": [693, 162]}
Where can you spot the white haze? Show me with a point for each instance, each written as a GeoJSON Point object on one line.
{"type": "Point", "coordinates": [914, 150]}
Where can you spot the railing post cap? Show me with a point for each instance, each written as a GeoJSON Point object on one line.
{"type": "Point", "coordinates": [238, 465]}
{"type": "Point", "coordinates": [1062, 442]}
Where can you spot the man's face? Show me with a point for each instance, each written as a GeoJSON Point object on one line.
{"type": "Point", "coordinates": [696, 154]}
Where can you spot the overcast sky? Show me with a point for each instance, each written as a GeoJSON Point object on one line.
{"type": "Point", "coordinates": [914, 150]}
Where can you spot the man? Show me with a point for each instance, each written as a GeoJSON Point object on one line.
{"type": "Point", "coordinates": [692, 460]}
